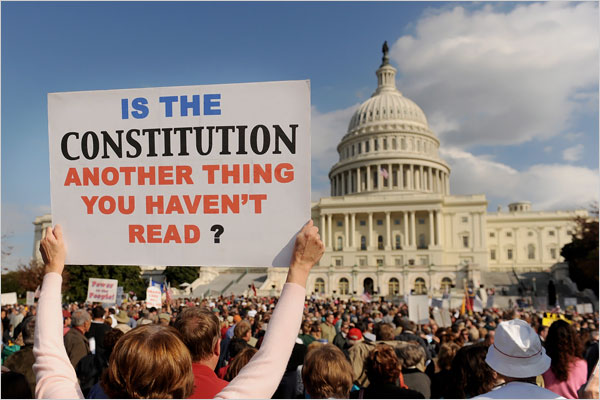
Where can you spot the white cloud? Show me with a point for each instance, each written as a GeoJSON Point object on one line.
{"type": "Point", "coordinates": [327, 131]}
{"type": "Point", "coordinates": [547, 186]}
{"type": "Point", "coordinates": [573, 153]}
{"type": "Point", "coordinates": [492, 77]}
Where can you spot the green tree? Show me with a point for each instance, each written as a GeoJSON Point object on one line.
{"type": "Point", "coordinates": [582, 253]}
{"type": "Point", "coordinates": [10, 283]}
{"type": "Point", "coordinates": [178, 275]}
{"type": "Point", "coordinates": [128, 276]}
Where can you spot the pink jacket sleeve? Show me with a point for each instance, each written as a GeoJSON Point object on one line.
{"type": "Point", "coordinates": [54, 374]}
{"type": "Point", "coordinates": [261, 376]}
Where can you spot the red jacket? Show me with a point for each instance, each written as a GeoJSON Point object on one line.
{"type": "Point", "coordinates": [206, 382]}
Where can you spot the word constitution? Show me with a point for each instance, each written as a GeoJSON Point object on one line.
{"type": "Point", "coordinates": [168, 142]}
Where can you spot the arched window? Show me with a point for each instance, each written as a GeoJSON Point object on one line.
{"type": "Point", "coordinates": [344, 286]}
{"type": "Point", "coordinates": [368, 285]}
{"type": "Point", "coordinates": [319, 285]}
{"type": "Point", "coordinates": [446, 285]}
{"type": "Point", "coordinates": [363, 243]}
{"type": "Point", "coordinates": [420, 287]}
{"type": "Point", "coordinates": [531, 252]}
{"type": "Point", "coordinates": [398, 246]}
{"type": "Point", "coordinates": [340, 243]}
{"type": "Point", "coordinates": [380, 242]}
{"type": "Point", "coordinates": [393, 286]}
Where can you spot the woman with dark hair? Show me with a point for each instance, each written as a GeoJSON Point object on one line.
{"type": "Point", "coordinates": [383, 370]}
{"type": "Point", "coordinates": [470, 373]}
{"type": "Point", "coordinates": [568, 372]}
{"type": "Point", "coordinates": [238, 362]}
{"type": "Point", "coordinates": [442, 380]}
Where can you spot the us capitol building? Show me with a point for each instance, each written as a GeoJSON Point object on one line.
{"type": "Point", "coordinates": [391, 225]}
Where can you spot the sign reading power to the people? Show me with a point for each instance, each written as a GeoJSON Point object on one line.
{"type": "Point", "coordinates": [192, 175]}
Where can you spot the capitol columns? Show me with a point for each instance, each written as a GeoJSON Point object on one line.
{"type": "Point", "coordinates": [390, 176]}
{"type": "Point", "coordinates": [431, 241]}
{"type": "Point", "coordinates": [358, 182]}
{"type": "Point", "coordinates": [388, 231]}
{"type": "Point", "coordinates": [413, 230]}
{"type": "Point", "coordinates": [353, 235]}
{"type": "Point", "coordinates": [368, 167]}
{"type": "Point", "coordinates": [406, 242]}
{"type": "Point", "coordinates": [400, 177]}
{"type": "Point", "coordinates": [329, 236]}
{"type": "Point", "coordinates": [323, 234]}
{"type": "Point", "coordinates": [370, 238]}
{"type": "Point", "coordinates": [439, 236]}
{"type": "Point", "coordinates": [347, 234]}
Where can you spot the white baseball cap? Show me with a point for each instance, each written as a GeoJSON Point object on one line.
{"type": "Point", "coordinates": [517, 351]}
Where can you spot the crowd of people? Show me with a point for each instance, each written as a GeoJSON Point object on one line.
{"type": "Point", "coordinates": [290, 346]}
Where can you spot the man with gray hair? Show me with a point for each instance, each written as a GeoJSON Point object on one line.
{"type": "Point", "coordinates": [22, 361]}
{"type": "Point", "coordinates": [76, 343]}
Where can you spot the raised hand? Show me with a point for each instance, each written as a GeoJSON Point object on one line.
{"type": "Point", "coordinates": [53, 250]}
{"type": "Point", "coordinates": [308, 250]}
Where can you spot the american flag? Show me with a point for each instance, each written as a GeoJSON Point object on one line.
{"type": "Point", "coordinates": [384, 173]}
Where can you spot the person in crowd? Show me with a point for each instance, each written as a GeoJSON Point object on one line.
{"type": "Point", "coordinates": [152, 361]}
{"type": "Point", "coordinates": [326, 373]}
{"type": "Point", "coordinates": [328, 331]}
{"type": "Point", "coordinates": [517, 357]}
{"type": "Point", "coordinates": [164, 319]}
{"type": "Point", "coordinates": [384, 371]}
{"type": "Point", "coordinates": [236, 345]}
{"type": "Point", "coordinates": [315, 331]}
{"type": "Point", "coordinates": [410, 357]}
{"type": "Point", "coordinates": [199, 330]}
{"type": "Point", "coordinates": [305, 336]}
{"type": "Point", "coordinates": [341, 338]}
{"type": "Point", "coordinates": [98, 328]}
{"type": "Point", "coordinates": [471, 376]}
{"type": "Point", "coordinates": [239, 362]}
{"type": "Point", "coordinates": [22, 361]}
{"type": "Point", "coordinates": [568, 372]}
{"type": "Point", "coordinates": [489, 338]}
{"type": "Point", "coordinates": [122, 321]}
{"type": "Point", "coordinates": [590, 353]}
{"type": "Point", "coordinates": [442, 380]}
{"type": "Point", "coordinates": [14, 385]}
{"type": "Point", "coordinates": [291, 383]}
{"type": "Point", "coordinates": [408, 335]}
{"type": "Point", "coordinates": [90, 368]}
{"type": "Point", "coordinates": [76, 344]}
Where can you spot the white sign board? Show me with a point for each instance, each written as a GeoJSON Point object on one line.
{"type": "Point", "coordinates": [153, 297]}
{"type": "Point", "coordinates": [9, 298]}
{"type": "Point", "coordinates": [570, 301]}
{"type": "Point", "coordinates": [189, 175]}
{"type": "Point", "coordinates": [588, 308]}
{"type": "Point", "coordinates": [102, 290]}
{"type": "Point", "coordinates": [418, 309]}
{"type": "Point", "coordinates": [30, 298]}
{"type": "Point", "coordinates": [442, 318]}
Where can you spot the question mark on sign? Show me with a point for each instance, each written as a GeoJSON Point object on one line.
{"type": "Point", "coordinates": [218, 230]}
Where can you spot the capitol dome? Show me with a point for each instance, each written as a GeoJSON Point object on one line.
{"type": "Point", "coordinates": [388, 145]}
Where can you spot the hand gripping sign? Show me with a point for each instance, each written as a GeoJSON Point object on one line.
{"type": "Point", "coordinates": [193, 175]}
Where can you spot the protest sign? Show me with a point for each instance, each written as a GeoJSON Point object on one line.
{"type": "Point", "coordinates": [153, 297]}
{"type": "Point", "coordinates": [418, 309]}
{"type": "Point", "coordinates": [119, 295]}
{"type": "Point", "coordinates": [30, 298]}
{"type": "Point", "coordinates": [192, 175]}
{"type": "Point", "coordinates": [446, 318]}
{"type": "Point", "coordinates": [436, 303]}
{"type": "Point", "coordinates": [102, 290]}
{"type": "Point", "coordinates": [570, 301]}
{"type": "Point", "coordinates": [477, 304]}
{"type": "Point", "coordinates": [580, 309]}
{"type": "Point", "coordinates": [588, 308]}
{"type": "Point", "coordinates": [9, 298]}
{"type": "Point", "coordinates": [489, 303]}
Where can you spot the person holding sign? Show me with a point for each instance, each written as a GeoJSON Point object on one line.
{"type": "Point", "coordinates": [152, 361]}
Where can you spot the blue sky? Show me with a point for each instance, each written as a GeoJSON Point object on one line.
{"type": "Point", "coordinates": [511, 89]}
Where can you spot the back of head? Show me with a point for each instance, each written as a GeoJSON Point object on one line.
{"type": "Point", "coordinates": [79, 318]}
{"type": "Point", "coordinates": [150, 362]}
{"type": "Point", "coordinates": [385, 332]}
{"type": "Point", "coordinates": [241, 329]}
{"type": "Point", "coordinates": [199, 329]}
{"type": "Point", "coordinates": [407, 325]}
{"type": "Point", "coordinates": [446, 354]}
{"type": "Point", "coordinates": [236, 345]}
{"type": "Point", "coordinates": [28, 330]}
{"type": "Point", "coordinates": [411, 355]}
{"type": "Point", "coordinates": [98, 312]}
{"type": "Point", "coordinates": [240, 360]}
{"type": "Point", "coordinates": [110, 340]}
{"type": "Point", "coordinates": [382, 365]}
{"type": "Point", "coordinates": [327, 373]}
{"type": "Point", "coordinates": [471, 375]}
{"type": "Point", "coordinates": [562, 346]}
